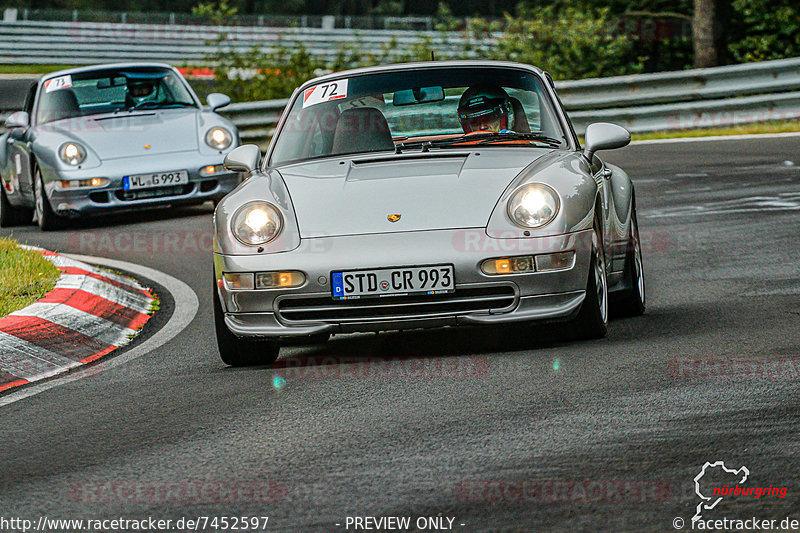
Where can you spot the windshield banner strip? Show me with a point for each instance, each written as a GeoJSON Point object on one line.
{"type": "Point", "coordinates": [326, 92]}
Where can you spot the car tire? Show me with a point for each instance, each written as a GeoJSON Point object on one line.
{"type": "Point", "coordinates": [45, 216]}
{"type": "Point", "coordinates": [237, 351]}
{"type": "Point", "coordinates": [631, 300]}
{"type": "Point", "coordinates": [592, 319]}
{"type": "Point", "coordinates": [11, 215]}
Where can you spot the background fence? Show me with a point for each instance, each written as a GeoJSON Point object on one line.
{"type": "Point", "coordinates": [78, 43]}
{"type": "Point", "coordinates": [366, 22]}
{"type": "Point", "coordinates": [701, 98]}
{"type": "Point", "coordinates": [714, 97]}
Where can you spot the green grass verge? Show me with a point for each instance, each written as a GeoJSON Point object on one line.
{"type": "Point", "coordinates": [777, 126]}
{"type": "Point", "coordinates": [25, 276]}
{"type": "Point", "coordinates": [32, 69]}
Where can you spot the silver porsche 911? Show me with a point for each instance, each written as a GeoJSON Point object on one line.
{"type": "Point", "coordinates": [423, 195]}
{"type": "Point", "coordinates": [112, 137]}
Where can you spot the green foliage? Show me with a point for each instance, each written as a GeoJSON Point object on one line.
{"type": "Point", "coordinates": [357, 54]}
{"type": "Point", "coordinates": [155, 305]}
{"type": "Point", "coordinates": [768, 29]}
{"type": "Point", "coordinates": [388, 8]}
{"type": "Point", "coordinates": [258, 75]}
{"type": "Point", "coordinates": [447, 22]}
{"type": "Point", "coordinates": [219, 13]}
{"type": "Point", "coordinates": [571, 40]}
{"type": "Point", "coordinates": [569, 43]}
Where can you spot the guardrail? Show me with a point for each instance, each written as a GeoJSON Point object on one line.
{"type": "Point", "coordinates": [78, 43]}
{"type": "Point", "coordinates": [364, 22]}
{"type": "Point", "coordinates": [713, 97]}
{"type": "Point", "coordinates": [256, 121]}
{"type": "Point", "coordinates": [721, 96]}
{"type": "Point", "coordinates": [682, 86]}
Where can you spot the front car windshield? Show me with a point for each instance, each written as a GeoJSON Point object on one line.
{"type": "Point", "coordinates": [111, 90]}
{"type": "Point", "coordinates": [441, 108]}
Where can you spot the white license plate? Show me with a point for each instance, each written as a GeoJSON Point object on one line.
{"type": "Point", "coordinates": [401, 281]}
{"type": "Point", "coordinates": [156, 179]}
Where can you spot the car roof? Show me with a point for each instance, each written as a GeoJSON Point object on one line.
{"type": "Point", "coordinates": [103, 66]}
{"type": "Point", "coordinates": [421, 65]}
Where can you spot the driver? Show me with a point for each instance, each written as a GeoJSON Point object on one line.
{"type": "Point", "coordinates": [140, 89]}
{"type": "Point", "coordinates": [484, 108]}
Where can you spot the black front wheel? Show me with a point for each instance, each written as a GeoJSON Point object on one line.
{"type": "Point", "coordinates": [238, 351]}
{"type": "Point", "coordinates": [630, 301]}
{"type": "Point", "coordinates": [45, 216]}
{"type": "Point", "coordinates": [592, 319]}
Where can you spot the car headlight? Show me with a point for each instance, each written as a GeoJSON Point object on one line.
{"type": "Point", "coordinates": [256, 223]}
{"type": "Point", "coordinates": [72, 154]}
{"type": "Point", "coordinates": [533, 205]}
{"type": "Point", "coordinates": [219, 138]}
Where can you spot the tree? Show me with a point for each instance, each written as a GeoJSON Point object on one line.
{"type": "Point", "coordinates": [764, 29]}
{"type": "Point", "coordinates": [569, 43]}
{"type": "Point", "coordinates": [705, 43]}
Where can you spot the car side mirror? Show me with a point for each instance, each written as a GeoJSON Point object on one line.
{"type": "Point", "coordinates": [243, 158]}
{"type": "Point", "coordinates": [19, 119]}
{"type": "Point", "coordinates": [217, 100]}
{"type": "Point", "coordinates": [604, 136]}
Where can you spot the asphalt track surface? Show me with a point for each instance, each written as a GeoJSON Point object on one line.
{"type": "Point", "coordinates": [503, 430]}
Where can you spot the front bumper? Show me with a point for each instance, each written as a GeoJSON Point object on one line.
{"type": "Point", "coordinates": [478, 298]}
{"type": "Point", "coordinates": [113, 197]}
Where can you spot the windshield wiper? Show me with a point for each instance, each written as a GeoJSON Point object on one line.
{"type": "Point", "coordinates": [482, 139]}
{"type": "Point", "coordinates": [513, 136]}
{"type": "Point", "coordinates": [158, 105]}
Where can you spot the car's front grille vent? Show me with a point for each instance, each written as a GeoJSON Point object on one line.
{"type": "Point", "coordinates": [141, 194]}
{"type": "Point", "coordinates": [208, 185]}
{"type": "Point", "coordinates": [462, 301]}
{"type": "Point", "coordinates": [99, 197]}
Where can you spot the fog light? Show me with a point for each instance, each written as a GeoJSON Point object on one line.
{"type": "Point", "coordinates": [238, 281]}
{"type": "Point", "coordinates": [79, 184]}
{"type": "Point", "coordinates": [212, 170]}
{"type": "Point", "coordinates": [556, 261]}
{"type": "Point", "coordinates": [279, 280]}
{"type": "Point", "coordinates": [502, 266]}
{"type": "Point", "coordinates": [508, 265]}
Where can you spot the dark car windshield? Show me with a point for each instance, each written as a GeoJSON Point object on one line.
{"type": "Point", "coordinates": [111, 90]}
{"type": "Point", "coordinates": [420, 108]}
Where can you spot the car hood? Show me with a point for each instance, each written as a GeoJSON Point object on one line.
{"type": "Point", "coordinates": [439, 190]}
{"type": "Point", "coordinates": [125, 134]}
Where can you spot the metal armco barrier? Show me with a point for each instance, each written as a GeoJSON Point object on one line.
{"type": "Point", "coordinates": [682, 86]}
{"type": "Point", "coordinates": [700, 98]}
{"type": "Point", "coordinates": [38, 42]}
{"type": "Point", "coordinates": [720, 96]}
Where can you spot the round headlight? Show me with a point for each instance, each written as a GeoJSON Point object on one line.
{"type": "Point", "coordinates": [533, 205]}
{"type": "Point", "coordinates": [219, 138]}
{"type": "Point", "coordinates": [256, 223]}
{"type": "Point", "coordinates": [72, 154]}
